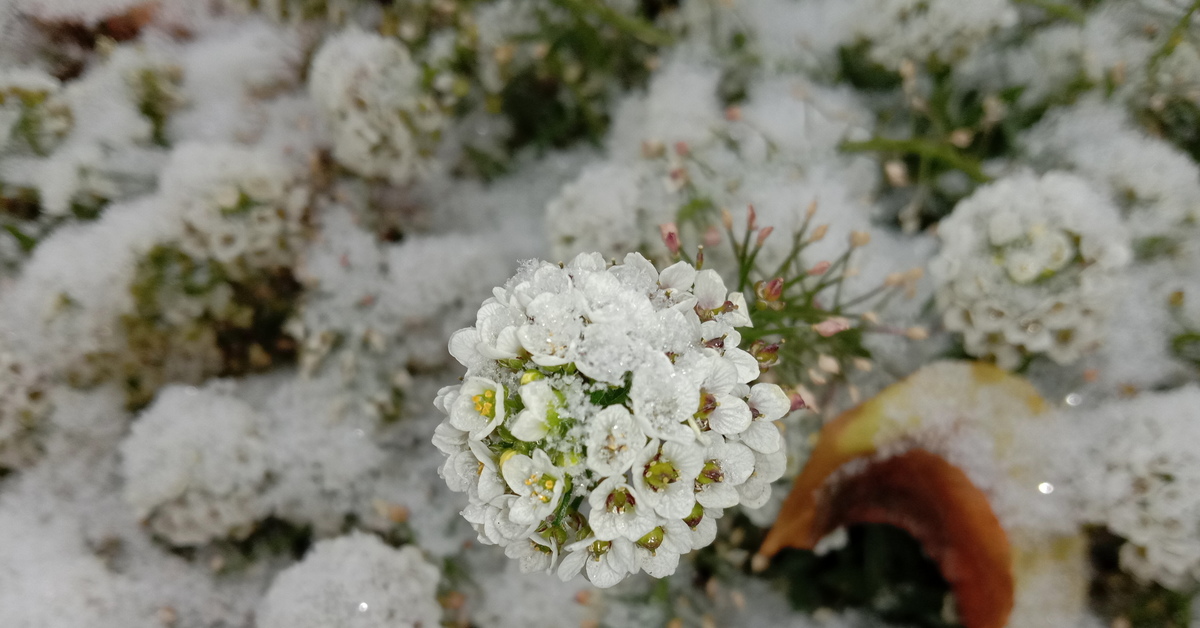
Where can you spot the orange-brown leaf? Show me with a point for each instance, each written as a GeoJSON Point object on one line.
{"type": "Point", "coordinates": [937, 504]}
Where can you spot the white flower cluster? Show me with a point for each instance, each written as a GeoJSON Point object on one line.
{"type": "Point", "coordinates": [1030, 265]}
{"type": "Point", "coordinates": [1144, 483]}
{"type": "Point", "coordinates": [195, 465]}
{"type": "Point", "coordinates": [1157, 184]}
{"type": "Point", "coordinates": [918, 30]}
{"type": "Point", "coordinates": [384, 122]}
{"type": "Point", "coordinates": [1110, 46]}
{"type": "Point", "coordinates": [205, 464]}
{"type": "Point", "coordinates": [33, 114]}
{"type": "Point", "coordinates": [607, 416]}
{"type": "Point", "coordinates": [23, 405]}
{"type": "Point", "coordinates": [354, 580]}
{"type": "Point", "coordinates": [240, 208]}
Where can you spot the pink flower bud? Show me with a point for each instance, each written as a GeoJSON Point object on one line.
{"type": "Point", "coordinates": [831, 326]}
{"type": "Point", "coordinates": [769, 291]}
{"type": "Point", "coordinates": [819, 269]}
{"type": "Point", "coordinates": [762, 235]}
{"type": "Point", "coordinates": [712, 236]}
{"type": "Point", "coordinates": [767, 354]}
{"type": "Point", "coordinates": [670, 237]}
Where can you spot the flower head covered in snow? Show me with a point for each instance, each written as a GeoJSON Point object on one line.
{"type": "Point", "coordinates": [1029, 266]}
{"type": "Point", "coordinates": [385, 122]}
{"type": "Point", "coordinates": [33, 114]}
{"type": "Point", "coordinates": [607, 416]}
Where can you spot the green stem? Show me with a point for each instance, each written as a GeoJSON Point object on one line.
{"type": "Point", "coordinates": [1173, 40]}
{"type": "Point", "coordinates": [923, 148]}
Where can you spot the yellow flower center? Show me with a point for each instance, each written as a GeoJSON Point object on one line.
{"type": "Point", "coordinates": [542, 490]}
{"type": "Point", "coordinates": [485, 403]}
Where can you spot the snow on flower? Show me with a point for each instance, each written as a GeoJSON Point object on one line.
{"type": "Point", "coordinates": [385, 124]}
{"type": "Point", "coordinates": [620, 429]}
{"type": "Point", "coordinates": [1030, 265]}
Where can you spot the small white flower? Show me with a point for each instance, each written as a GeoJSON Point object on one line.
{"type": "Point", "coordinates": [537, 554]}
{"type": "Point", "coordinates": [756, 490]}
{"type": "Point", "coordinates": [541, 411]}
{"type": "Point", "coordinates": [747, 367]}
{"type": "Point", "coordinates": [492, 522]}
{"type": "Point", "coordinates": [702, 523]}
{"type": "Point", "coordinates": [618, 511]}
{"type": "Point", "coordinates": [537, 482]}
{"type": "Point", "coordinates": [657, 553]}
{"type": "Point", "coordinates": [637, 273]}
{"type": "Point", "coordinates": [678, 278]}
{"type": "Point", "coordinates": [553, 336]}
{"type": "Point", "coordinates": [1022, 266]}
{"type": "Point", "coordinates": [663, 400]}
{"type": "Point", "coordinates": [460, 471]}
{"type": "Point", "coordinates": [768, 402]}
{"type": "Point", "coordinates": [489, 484]}
{"type": "Point", "coordinates": [1004, 227]}
{"type": "Point", "coordinates": [726, 465]}
{"type": "Point", "coordinates": [723, 412]}
{"type": "Point", "coordinates": [613, 441]}
{"type": "Point", "coordinates": [479, 407]}
{"type": "Point", "coordinates": [606, 562]}
{"type": "Point", "coordinates": [448, 439]}
{"type": "Point", "coordinates": [710, 291]}
{"type": "Point", "coordinates": [663, 475]}
{"type": "Point", "coordinates": [735, 313]}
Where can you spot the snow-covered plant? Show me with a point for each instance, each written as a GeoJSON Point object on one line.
{"type": "Point", "coordinates": [1156, 186]}
{"type": "Point", "coordinates": [354, 580]}
{"type": "Point", "coordinates": [942, 31]}
{"type": "Point", "coordinates": [23, 405]}
{"type": "Point", "coordinates": [117, 111]}
{"type": "Point", "coordinates": [206, 464]}
{"type": "Point", "coordinates": [583, 53]}
{"type": "Point", "coordinates": [386, 120]}
{"type": "Point", "coordinates": [1143, 483]}
{"type": "Point", "coordinates": [608, 416]}
{"type": "Point", "coordinates": [376, 311]}
{"type": "Point", "coordinates": [33, 114]}
{"type": "Point", "coordinates": [196, 465]}
{"type": "Point", "coordinates": [679, 157]}
{"type": "Point", "coordinates": [205, 302]}
{"type": "Point", "coordinates": [155, 87]}
{"type": "Point", "coordinates": [1030, 266]}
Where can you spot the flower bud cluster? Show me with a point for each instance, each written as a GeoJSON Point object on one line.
{"type": "Point", "coordinates": [608, 417]}
{"type": "Point", "coordinates": [1029, 265]}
